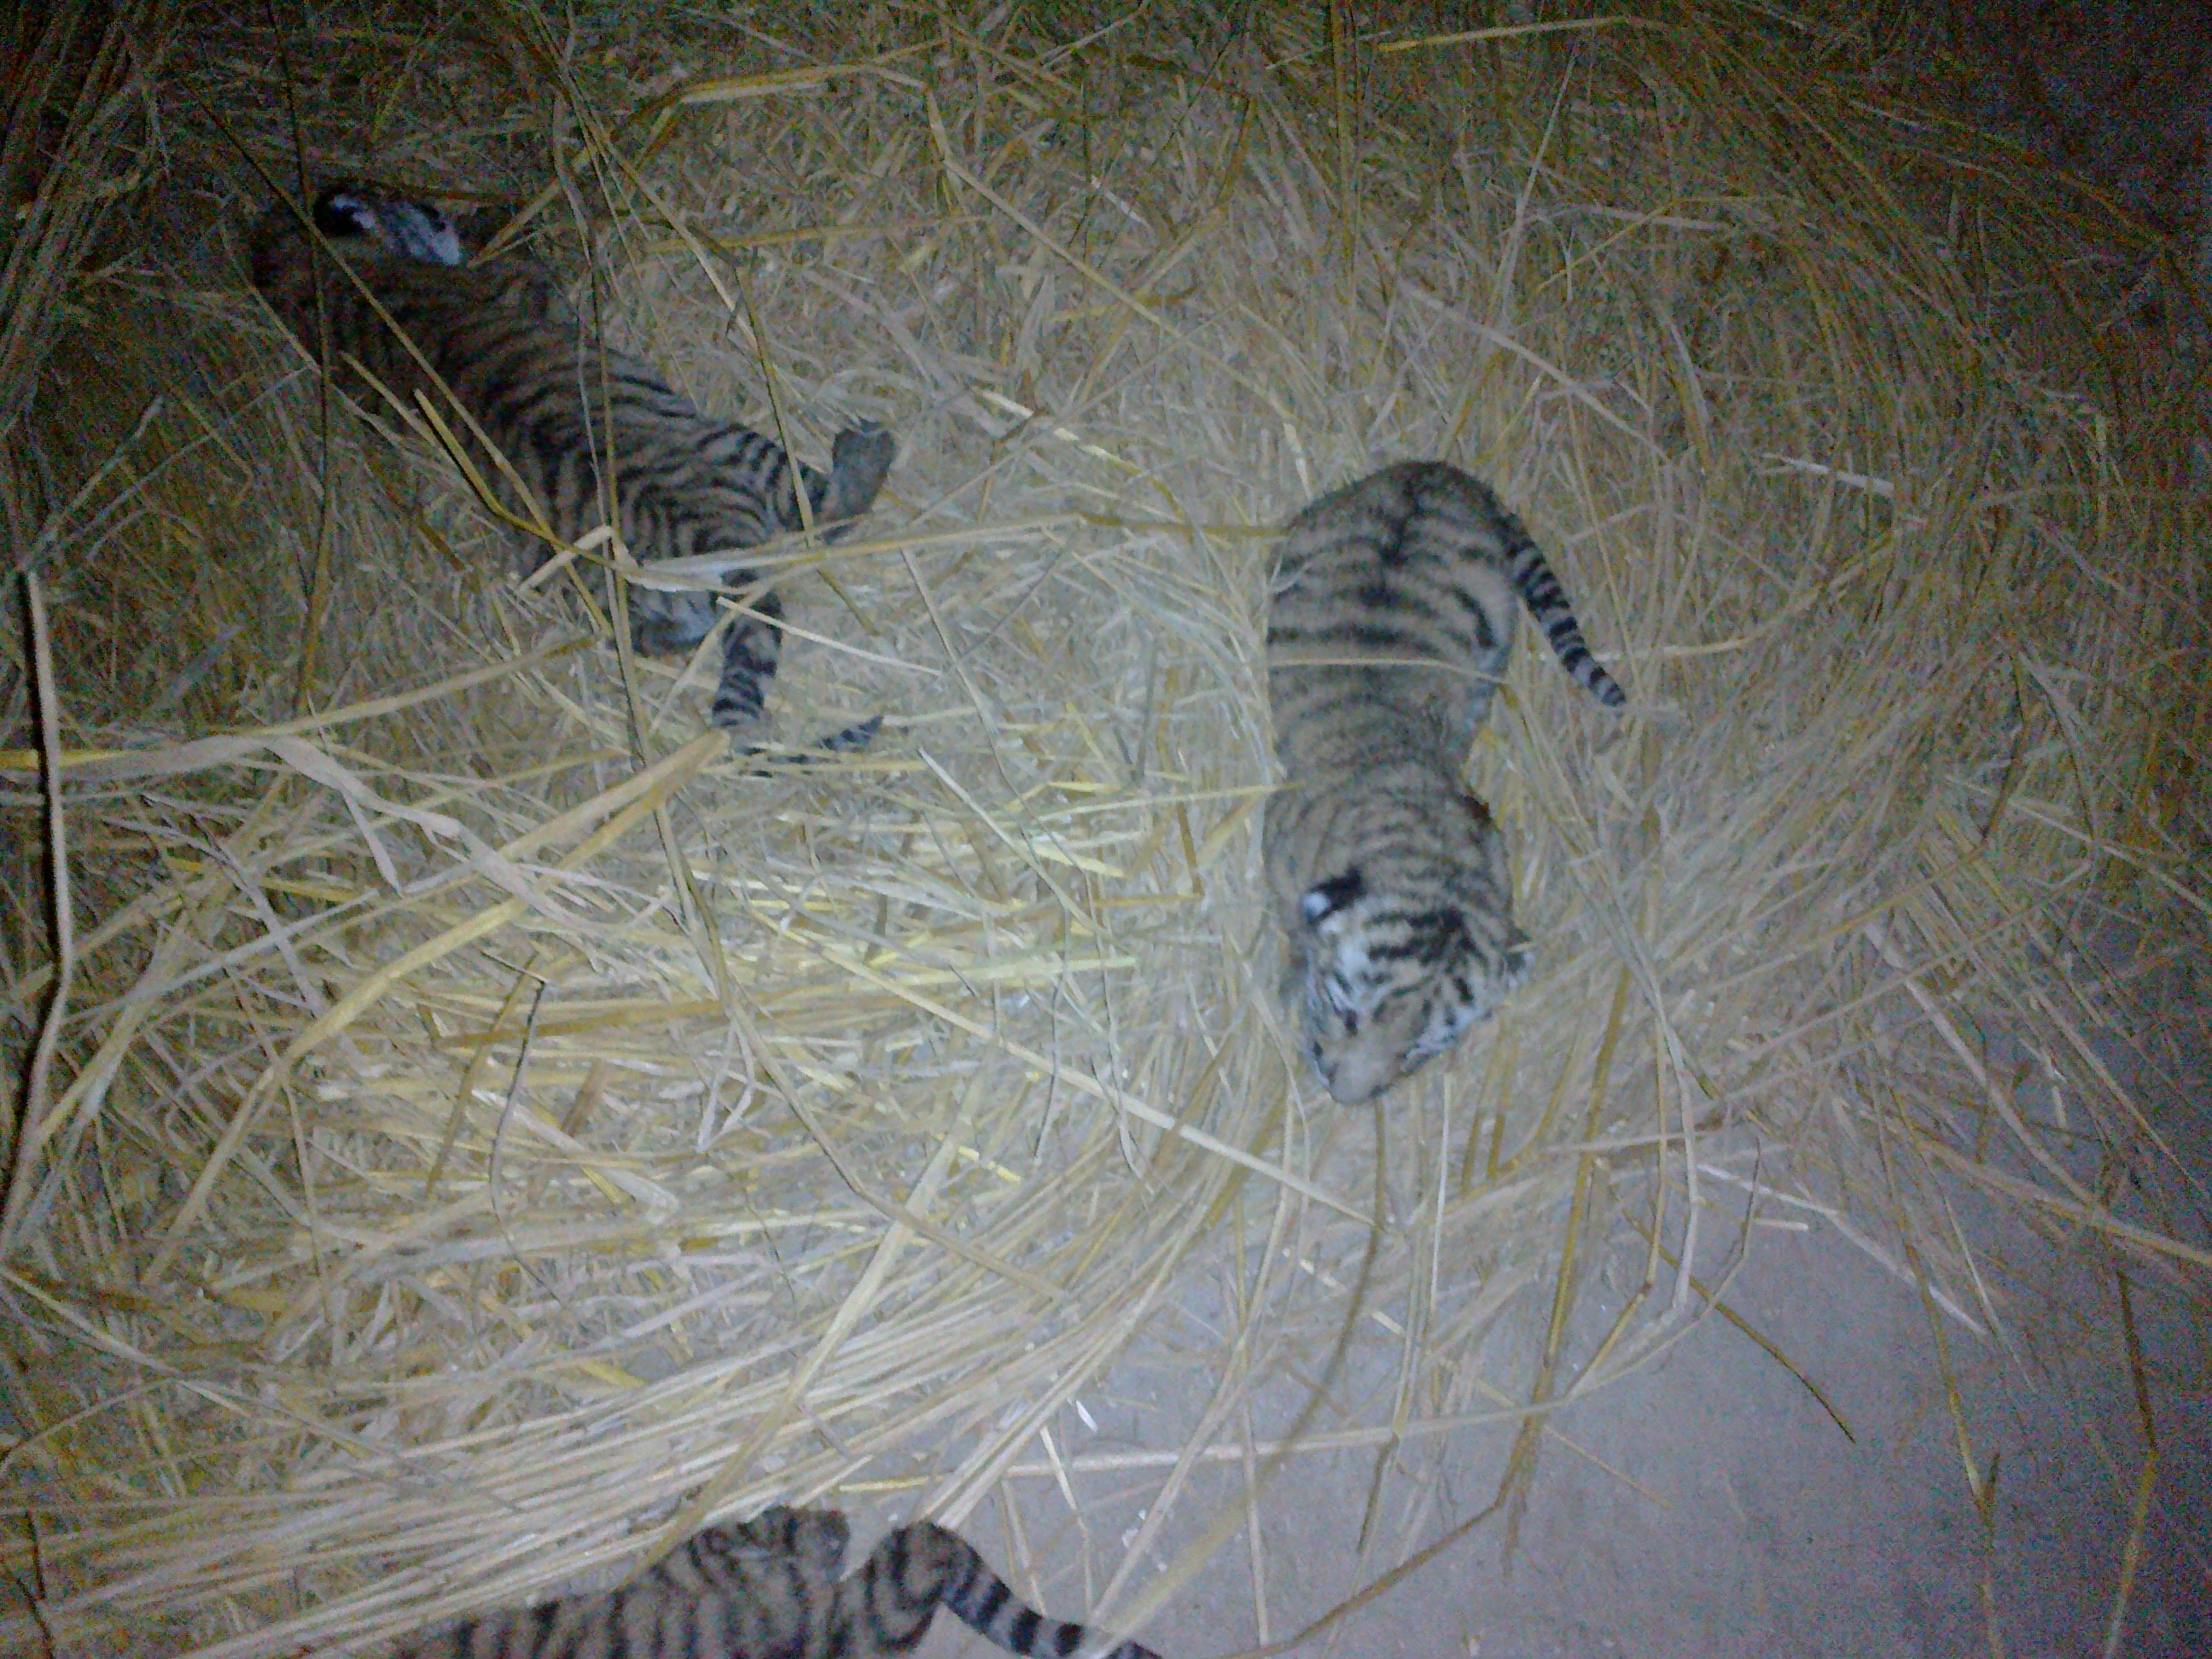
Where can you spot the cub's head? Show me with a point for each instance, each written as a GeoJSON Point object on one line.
{"type": "Point", "coordinates": [412, 230]}
{"type": "Point", "coordinates": [1385, 980]}
{"type": "Point", "coordinates": [359, 223]}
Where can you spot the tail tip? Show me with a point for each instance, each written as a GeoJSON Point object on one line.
{"type": "Point", "coordinates": [857, 736]}
{"type": "Point", "coordinates": [748, 741]}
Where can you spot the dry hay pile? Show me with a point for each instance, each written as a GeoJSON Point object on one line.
{"type": "Point", "coordinates": [471, 1130]}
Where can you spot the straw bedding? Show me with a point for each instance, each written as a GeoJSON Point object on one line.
{"type": "Point", "coordinates": [470, 1130]}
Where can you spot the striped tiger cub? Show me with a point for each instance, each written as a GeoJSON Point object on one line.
{"type": "Point", "coordinates": [1390, 625]}
{"type": "Point", "coordinates": [771, 1590]}
{"type": "Point", "coordinates": [554, 403]}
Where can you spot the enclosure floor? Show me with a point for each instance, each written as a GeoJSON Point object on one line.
{"type": "Point", "coordinates": [1734, 1518]}
{"type": "Point", "coordinates": [1766, 1532]}
{"type": "Point", "coordinates": [1781, 1538]}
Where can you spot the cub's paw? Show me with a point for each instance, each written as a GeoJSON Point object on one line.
{"type": "Point", "coordinates": [860, 460]}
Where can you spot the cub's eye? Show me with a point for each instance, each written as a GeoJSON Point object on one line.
{"type": "Point", "coordinates": [1325, 897]}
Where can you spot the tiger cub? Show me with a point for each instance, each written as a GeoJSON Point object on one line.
{"type": "Point", "coordinates": [1390, 625]}
{"type": "Point", "coordinates": [555, 403]}
{"type": "Point", "coordinates": [770, 1589]}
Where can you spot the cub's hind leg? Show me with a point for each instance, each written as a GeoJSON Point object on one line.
{"type": "Point", "coordinates": [860, 461]}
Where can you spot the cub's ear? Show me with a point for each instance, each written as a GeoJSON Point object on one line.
{"type": "Point", "coordinates": [342, 212]}
{"type": "Point", "coordinates": [1325, 898]}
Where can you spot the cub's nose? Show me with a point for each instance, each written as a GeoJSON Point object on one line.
{"type": "Point", "coordinates": [1355, 1078]}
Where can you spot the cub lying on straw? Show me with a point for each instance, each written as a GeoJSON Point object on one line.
{"type": "Point", "coordinates": [769, 1589]}
{"type": "Point", "coordinates": [494, 356]}
{"type": "Point", "coordinates": [1391, 623]}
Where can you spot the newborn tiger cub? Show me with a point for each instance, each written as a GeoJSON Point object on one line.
{"type": "Point", "coordinates": [769, 1589]}
{"type": "Point", "coordinates": [558, 405]}
{"type": "Point", "coordinates": [1390, 625]}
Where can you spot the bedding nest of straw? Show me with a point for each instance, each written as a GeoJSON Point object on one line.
{"type": "Point", "coordinates": [471, 1129]}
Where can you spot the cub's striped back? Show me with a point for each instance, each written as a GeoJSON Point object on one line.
{"type": "Point", "coordinates": [582, 433]}
{"type": "Point", "coordinates": [1403, 589]}
{"type": "Point", "coordinates": [1391, 625]}
{"type": "Point", "coordinates": [770, 1589]}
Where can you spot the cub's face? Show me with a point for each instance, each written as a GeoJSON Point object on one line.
{"type": "Point", "coordinates": [414, 230]}
{"type": "Point", "coordinates": [1384, 987]}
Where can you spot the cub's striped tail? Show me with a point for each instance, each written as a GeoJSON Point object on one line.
{"type": "Point", "coordinates": [1546, 601]}
{"type": "Point", "coordinates": [850, 741]}
{"type": "Point", "coordinates": [986, 1604]}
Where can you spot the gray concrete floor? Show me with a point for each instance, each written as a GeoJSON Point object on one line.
{"type": "Point", "coordinates": [1719, 1508]}
{"type": "Point", "coordinates": [1760, 1529]}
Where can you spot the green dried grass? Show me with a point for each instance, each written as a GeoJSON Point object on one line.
{"type": "Point", "coordinates": [426, 1210]}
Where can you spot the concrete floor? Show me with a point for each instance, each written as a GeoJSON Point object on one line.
{"type": "Point", "coordinates": [1760, 1529]}
{"type": "Point", "coordinates": [1719, 1509]}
